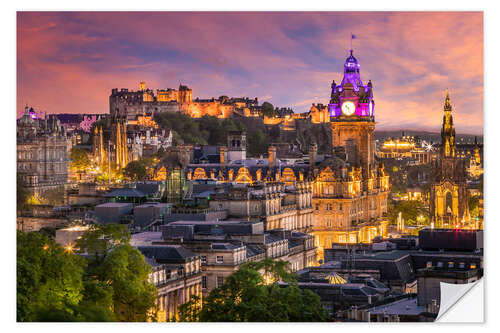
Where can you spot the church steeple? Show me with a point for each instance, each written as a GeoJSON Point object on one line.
{"type": "Point", "coordinates": [448, 148]}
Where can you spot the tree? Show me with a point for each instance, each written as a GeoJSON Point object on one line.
{"type": "Point", "coordinates": [22, 193]}
{"type": "Point", "coordinates": [411, 211]}
{"type": "Point", "coordinates": [117, 274]}
{"type": "Point", "coordinates": [257, 143]}
{"type": "Point", "coordinates": [252, 294]}
{"type": "Point", "coordinates": [48, 277]}
{"type": "Point", "coordinates": [79, 159]}
{"type": "Point", "coordinates": [474, 205]}
{"type": "Point", "coordinates": [135, 171]}
{"type": "Point", "coordinates": [268, 109]}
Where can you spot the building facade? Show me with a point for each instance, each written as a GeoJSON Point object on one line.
{"type": "Point", "coordinates": [350, 187]}
{"type": "Point", "coordinates": [42, 152]}
{"type": "Point", "coordinates": [449, 201]}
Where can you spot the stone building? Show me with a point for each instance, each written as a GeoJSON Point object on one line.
{"type": "Point", "coordinates": [449, 201]}
{"type": "Point", "coordinates": [350, 186]}
{"type": "Point", "coordinates": [129, 103]}
{"type": "Point", "coordinates": [225, 245]}
{"type": "Point", "coordinates": [279, 206]}
{"type": "Point", "coordinates": [42, 152]}
{"type": "Point", "coordinates": [177, 276]}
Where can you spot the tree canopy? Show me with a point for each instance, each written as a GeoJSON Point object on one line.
{"type": "Point", "coordinates": [411, 211]}
{"type": "Point", "coordinates": [117, 273]}
{"type": "Point", "coordinates": [108, 281]}
{"type": "Point", "coordinates": [135, 171]}
{"type": "Point", "coordinates": [251, 294]}
{"type": "Point", "coordinates": [79, 159]}
{"type": "Point", "coordinates": [268, 109]}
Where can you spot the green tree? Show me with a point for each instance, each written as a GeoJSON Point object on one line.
{"type": "Point", "coordinates": [48, 277]}
{"type": "Point", "coordinates": [135, 171]}
{"type": "Point", "coordinates": [268, 109]}
{"type": "Point", "coordinates": [79, 159]}
{"type": "Point", "coordinates": [411, 211]}
{"type": "Point", "coordinates": [474, 206]}
{"type": "Point", "coordinates": [117, 274]}
{"type": "Point", "coordinates": [257, 143]}
{"type": "Point", "coordinates": [251, 294]}
{"type": "Point", "coordinates": [22, 193]}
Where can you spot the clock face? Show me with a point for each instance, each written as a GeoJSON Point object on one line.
{"type": "Point", "coordinates": [348, 108]}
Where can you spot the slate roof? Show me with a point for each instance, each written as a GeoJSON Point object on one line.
{"type": "Point", "coordinates": [125, 192]}
{"type": "Point", "coordinates": [165, 254]}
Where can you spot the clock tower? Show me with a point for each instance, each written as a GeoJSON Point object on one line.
{"type": "Point", "coordinates": [352, 119]}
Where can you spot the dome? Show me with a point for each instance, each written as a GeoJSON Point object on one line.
{"type": "Point", "coordinates": [351, 59]}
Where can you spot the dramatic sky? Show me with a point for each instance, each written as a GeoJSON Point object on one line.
{"type": "Point", "coordinates": [69, 62]}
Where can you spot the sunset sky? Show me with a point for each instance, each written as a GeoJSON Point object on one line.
{"type": "Point", "coordinates": [69, 62]}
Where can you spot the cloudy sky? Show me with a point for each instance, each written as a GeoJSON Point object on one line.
{"type": "Point", "coordinates": [69, 62]}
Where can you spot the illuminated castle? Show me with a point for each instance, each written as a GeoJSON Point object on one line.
{"type": "Point", "coordinates": [131, 104]}
{"type": "Point", "coordinates": [449, 196]}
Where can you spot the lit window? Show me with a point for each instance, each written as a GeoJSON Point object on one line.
{"type": "Point", "coordinates": [439, 264]}
{"type": "Point", "coordinates": [429, 264]}
{"type": "Point", "coordinates": [203, 259]}
{"type": "Point", "coordinates": [461, 265]}
{"type": "Point", "coordinates": [472, 266]}
{"type": "Point", "coordinates": [451, 264]}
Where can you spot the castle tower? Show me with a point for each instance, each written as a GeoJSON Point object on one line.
{"type": "Point", "coordinates": [352, 115]}
{"type": "Point", "coordinates": [449, 204]}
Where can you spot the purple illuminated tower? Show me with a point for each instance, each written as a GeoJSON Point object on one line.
{"type": "Point", "coordinates": [351, 98]}
{"type": "Point", "coordinates": [352, 121]}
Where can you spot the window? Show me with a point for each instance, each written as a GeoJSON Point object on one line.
{"type": "Point", "coordinates": [340, 206]}
{"type": "Point", "coordinates": [439, 264]}
{"type": "Point", "coordinates": [317, 206]}
{"type": "Point", "coordinates": [429, 264]}
{"type": "Point", "coordinates": [461, 265]}
{"type": "Point", "coordinates": [451, 264]}
{"type": "Point", "coordinates": [204, 259]}
{"type": "Point", "coordinates": [472, 266]}
{"type": "Point", "coordinates": [220, 259]}
{"type": "Point", "coordinates": [328, 206]}
{"type": "Point", "coordinates": [220, 281]}
{"type": "Point", "coordinates": [204, 282]}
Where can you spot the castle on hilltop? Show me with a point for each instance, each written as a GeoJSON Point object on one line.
{"type": "Point", "coordinates": [130, 104]}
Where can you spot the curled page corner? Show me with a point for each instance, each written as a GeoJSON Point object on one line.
{"type": "Point", "coordinates": [461, 302]}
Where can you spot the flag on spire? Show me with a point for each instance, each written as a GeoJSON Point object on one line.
{"type": "Point", "coordinates": [353, 36]}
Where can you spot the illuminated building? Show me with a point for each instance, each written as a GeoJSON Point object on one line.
{"type": "Point", "coordinates": [350, 187]}
{"type": "Point", "coordinates": [131, 103]}
{"type": "Point", "coordinates": [404, 147]}
{"type": "Point", "coordinates": [176, 273]}
{"type": "Point", "coordinates": [42, 152]}
{"type": "Point", "coordinates": [449, 198]}
{"type": "Point", "coordinates": [111, 145]}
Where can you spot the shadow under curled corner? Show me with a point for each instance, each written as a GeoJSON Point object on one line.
{"type": "Point", "coordinates": [461, 303]}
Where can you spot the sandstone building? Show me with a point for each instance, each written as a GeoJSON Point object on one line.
{"type": "Point", "coordinates": [449, 198]}
{"type": "Point", "coordinates": [42, 152]}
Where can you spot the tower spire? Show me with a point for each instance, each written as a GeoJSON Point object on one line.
{"type": "Point", "coordinates": [447, 104]}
